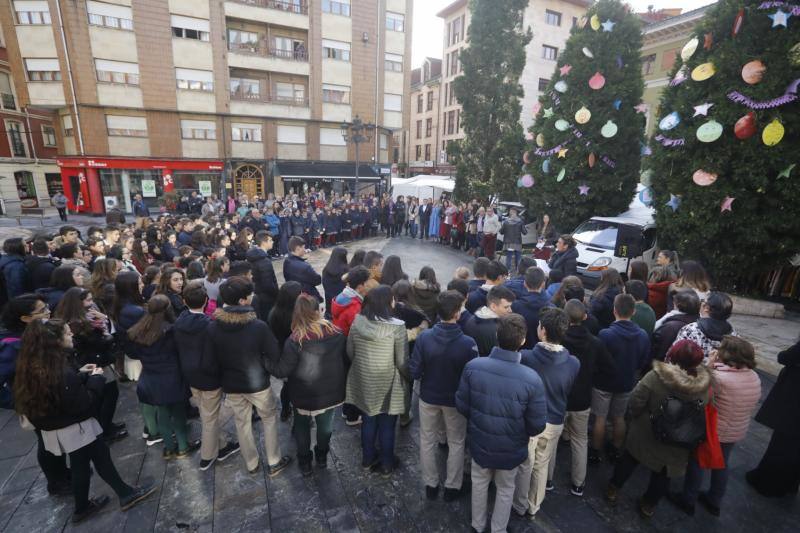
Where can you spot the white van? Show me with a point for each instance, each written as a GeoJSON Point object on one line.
{"type": "Point", "coordinates": [613, 242]}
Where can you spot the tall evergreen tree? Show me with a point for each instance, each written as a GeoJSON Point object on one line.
{"type": "Point", "coordinates": [489, 93]}
{"type": "Point", "coordinates": [718, 157]}
{"type": "Point", "coordinates": [584, 152]}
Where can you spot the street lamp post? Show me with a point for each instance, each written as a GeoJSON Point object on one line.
{"type": "Point", "coordinates": [357, 132]}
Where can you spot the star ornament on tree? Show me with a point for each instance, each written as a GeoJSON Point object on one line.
{"type": "Point", "coordinates": [584, 189]}
{"type": "Point", "coordinates": [608, 25]}
{"type": "Point", "coordinates": [564, 70]}
{"type": "Point", "coordinates": [780, 18]}
{"type": "Point", "coordinates": [702, 109]}
{"type": "Point", "coordinates": [674, 202]}
{"type": "Point", "coordinates": [641, 108]}
{"type": "Point", "coordinates": [548, 112]}
{"type": "Point", "coordinates": [727, 204]}
{"type": "Point", "coordinates": [786, 172]}
{"type": "Point", "coordinates": [563, 153]}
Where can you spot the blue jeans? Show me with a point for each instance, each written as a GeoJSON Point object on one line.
{"type": "Point", "coordinates": [380, 428]}
{"type": "Point", "coordinates": [413, 229]}
{"type": "Point", "coordinates": [517, 255]}
{"type": "Point", "coordinates": [719, 478]}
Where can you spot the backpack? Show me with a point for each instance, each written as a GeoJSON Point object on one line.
{"type": "Point", "coordinates": [679, 422]}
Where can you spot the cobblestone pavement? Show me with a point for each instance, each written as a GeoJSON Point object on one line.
{"type": "Point", "coordinates": [344, 498]}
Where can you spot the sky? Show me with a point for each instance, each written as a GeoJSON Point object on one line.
{"type": "Point", "coordinates": [428, 27]}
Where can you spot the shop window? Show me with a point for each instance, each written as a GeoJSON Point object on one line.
{"type": "Point", "coordinates": [49, 135]}
{"type": "Point", "coordinates": [54, 183]}
{"type": "Point", "coordinates": [26, 188]}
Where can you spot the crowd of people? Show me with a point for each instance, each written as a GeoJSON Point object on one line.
{"type": "Point", "coordinates": [507, 359]}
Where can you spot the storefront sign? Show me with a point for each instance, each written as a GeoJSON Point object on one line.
{"type": "Point", "coordinates": [205, 188]}
{"type": "Point", "coordinates": [149, 188]}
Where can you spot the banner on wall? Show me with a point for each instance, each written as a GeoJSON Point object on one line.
{"type": "Point", "coordinates": [149, 188]}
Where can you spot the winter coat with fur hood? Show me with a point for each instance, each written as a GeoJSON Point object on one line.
{"type": "Point", "coordinates": [426, 296]}
{"type": "Point", "coordinates": [664, 380]}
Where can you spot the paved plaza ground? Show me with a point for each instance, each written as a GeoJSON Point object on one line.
{"type": "Point", "coordinates": [345, 498]}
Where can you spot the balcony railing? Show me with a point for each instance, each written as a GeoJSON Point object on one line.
{"type": "Point", "coordinates": [267, 99]}
{"type": "Point", "coordinates": [296, 6]}
{"type": "Point", "coordinates": [268, 51]}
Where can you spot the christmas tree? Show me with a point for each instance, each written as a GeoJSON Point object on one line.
{"type": "Point", "coordinates": [584, 156]}
{"type": "Point", "coordinates": [723, 171]}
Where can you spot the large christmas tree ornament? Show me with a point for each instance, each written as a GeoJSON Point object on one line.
{"type": "Point", "coordinates": [609, 129]}
{"type": "Point", "coordinates": [670, 121]}
{"type": "Point", "coordinates": [526, 158]}
{"type": "Point", "coordinates": [548, 112]}
{"type": "Point", "coordinates": [773, 133]}
{"type": "Point", "coordinates": [709, 132]}
{"type": "Point", "coordinates": [588, 53]}
{"type": "Point", "coordinates": [753, 72]}
{"type": "Point", "coordinates": [689, 48]}
{"type": "Point", "coordinates": [702, 109]}
{"type": "Point", "coordinates": [564, 70]}
{"type": "Point", "coordinates": [794, 55]}
{"type": "Point", "coordinates": [540, 140]}
{"type": "Point", "coordinates": [703, 178]}
{"type": "Point", "coordinates": [583, 189]}
{"type": "Point", "coordinates": [594, 21]}
{"type": "Point", "coordinates": [562, 125]}
{"type": "Point", "coordinates": [708, 41]}
{"type": "Point", "coordinates": [537, 106]}
{"type": "Point", "coordinates": [647, 178]}
{"type": "Point", "coordinates": [608, 25]}
{"type": "Point", "coordinates": [583, 115]}
{"type": "Point", "coordinates": [703, 72]}
{"type": "Point", "coordinates": [561, 174]}
{"type": "Point", "coordinates": [745, 127]}
{"type": "Point", "coordinates": [737, 23]}
{"type": "Point", "coordinates": [519, 182]}
{"type": "Point", "coordinates": [527, 181]}
{"type": "Point", "coordinates": [681, 76]}
{"type": "Point", "coordinates": [726, 204]}
{"type": "Point", "coordinates": [592, 160]}
{"type": "Point", "coordinates": [597, 82]}
{"type": "Point", "coordinates": [786, 172]}
{"type": "Point", "coordinates": [780, 18]}
{"type": "Point", "coordinates": [646, 196]}
{"type": "Point", "coordinates": [546, 166]}
{"type": "Point", "coordinates": [561, 86]}
{"type": "Point", "coordinates": [674, 202]}
{"type": "Point", "coordinates": [617, 104]}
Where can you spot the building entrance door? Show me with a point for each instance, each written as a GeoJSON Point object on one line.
{"type": "Point", "coordinates": [249, 180]}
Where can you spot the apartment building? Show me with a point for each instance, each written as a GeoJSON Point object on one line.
{"type": "Point", "coordinates": [424, 131]}
{"type": "Point", "coordinates": [29, 176]}
{"type": "Point", "coordinates": [162, 97]}
{"type": "Point", "coordinates": [551, 22]}
{"type": "Point", "coordinates": [662, 42]}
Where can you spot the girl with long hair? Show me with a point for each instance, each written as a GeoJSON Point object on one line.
{"type": "Point", "coordinates": [62, 279]}
{"type": "Point", "coordinates": [215, 275]}
{"type": "Point", "coordinates": [332, 276]}
{"type": "Point", "coordinates": [693, 276]}
{"type": "Point", "coordinates": [60, 403]}
{"type": "Point", "coordinates": [392, 271]}
{"type": "Point", "coordinates": [161, 383]}
{"type": "Point", "coordinates": [314, 361]}
{"type": "Point", "coordinates": [102, 283]}
{"type": "Point", "coordinates": [358, 258]}
{"type": "Point", "coordinates": [602, 302]}
{"type": "Point", "coordinates": [150, 280]}
{"type": "Point", "coordinates": [280, 322]}
{"type": "Point", "coordinates": [140, 255]}
{"type": "Point", "coordinates": [171, 285]}
{"type": "Point", "coordinates": [425, 291]}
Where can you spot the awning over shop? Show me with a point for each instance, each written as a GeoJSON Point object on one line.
{"type": "Point", "coordinates": [312, 170]}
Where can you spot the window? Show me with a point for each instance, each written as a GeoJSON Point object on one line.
{"type": "Point", "coordinates": [452, 96]}
{"type": "Point", "coordinates": [331, 137]}
{"type": "Point", "coordinates": [117, 72]}
{"type": "Point", "coordinates": [26, 187]}
{"type": "Point", "coordinates": [288, 48]}
{"type": "Point", "coordinates": [48, 135]}
{"type": "Point", "coordinates": [336, 7]}
{"type": "Point", "coordinates": [552, 18]}
{"type": "Point", "coordinates": [335, 50]}
{"type": "Point", "coordinates": [109, 15]}
{"type": "Point", "coordinates": [66, 121]}
{"type": "Point", "coordinates": [455, 34]}
{"type": "Point", "coordinates": [420, 101]}
{"type": "Point", "coordinates": [418, 152]}
{"type": "Point", "coordinates": [125, 126]}
{"type": "Point", "coordinates": [668, 58]}
{"type": "Point", "coordinates": [16, 139]}
{"type": "Point", "coordinates": [419, 129]}
{"type": "Point", "coordinates": [427, 152]}
{"type": "Point", "coordinates": [392, 102]}
{"type": "Point", "coordinates": [430, 101]}
{"type": "Point", "coordinates": [243, 40]}
{"type": "Point", "coordinates": [291, 134]}
{"type": "Point", "coordinates": [191, 28]}
{"type": "Point", "coordinates": [7, 100]}
{"type": "Point", "coordinates": [32, 12]}
{"type": "Point", "coordinates": [199, 129]}
{"type": "Point", "coordinates": [444, 123]}
{"type": "Point", "coordinates": [543, 83]}
{"type": "Point", "coordinates": [194, 80]}
{"type": "Point", "coordinates": [458, 120]}
{"type": "Point", "coordinates": [454, 63]}
{"type": "Point", "coordinates": [648, 64]}
{"type": "Point", "coordinates": [292, 93]}
{"type": "Point", "coordinates": [451, 122]}
{"type": "Point", "coordinates": [245, 88]}
{"type": "Point", "coordinates": [574, 22]}
{"type": "Point", "coordinates": [243, 132]}
{"type": "Point", "coordinates": [335, 94]}
{"type": "Point", "coordinates": [384, 141]}
{"type": "Point", "coordinates": [43, 69]}
{"type": "Point", "coordinates": [428, 127]}
{"type": "Point", "coordinates": [393, 62]}
{"type": "Point", "coordinates": [394, 21]}
{"type": "Point", "coordinates": [549, 52]}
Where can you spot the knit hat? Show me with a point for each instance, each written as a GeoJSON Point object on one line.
{"type": "Point", "coordinates": [686, 354]}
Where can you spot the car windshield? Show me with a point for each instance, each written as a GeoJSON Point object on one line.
{"type": "Point", "coordinates": [599, 233]}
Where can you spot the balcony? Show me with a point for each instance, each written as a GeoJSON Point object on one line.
{"type": "Point", "coordinates": [267, 99]}
{"type": "Point", "coordinates": [260, 49]}
{"type": "Point", "coordinates": [299, 7]}
{"type": "Point", "coordinates": [253, 103]}
{"type": "Point", "coordinates": [260, 56]}
{"type": "Point", "coordinates": [289, 13]}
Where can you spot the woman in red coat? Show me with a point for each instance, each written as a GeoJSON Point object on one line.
{"type": "Point", "coordinates": [658, 284]}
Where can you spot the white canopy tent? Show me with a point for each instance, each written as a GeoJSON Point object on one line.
{"type": "Point", "coordinates": [423, 186]}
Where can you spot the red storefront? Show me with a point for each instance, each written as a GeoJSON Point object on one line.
{"type": "Point", "coordinates": [94, 184]}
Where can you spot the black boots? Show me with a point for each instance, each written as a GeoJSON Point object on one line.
{"type": "Point", "coordinates": [321, 457]}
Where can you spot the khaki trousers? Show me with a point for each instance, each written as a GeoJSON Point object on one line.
{"type": "Point", "coordinates": [576, 426]}
{"type": "Point", "coordinates": [211, 440]}
{"type": "Point", "coordinates": [532, 474]}
{"type": "Point", "coordinates": [503, 498]}
{"type": "Point", "coordinates": [432, 419]}
{"type": "Point", "coordinates": [267, 407]}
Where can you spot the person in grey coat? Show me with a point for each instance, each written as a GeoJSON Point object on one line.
{"type": "Point", "coordinates": [512, 230]}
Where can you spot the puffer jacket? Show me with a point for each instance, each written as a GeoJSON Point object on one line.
{"type": "Point", "coordinates": [663, 381]}
{"type": "Point", "coordinates": [477, 298]}
{"type": "Point", "coordinates": [482, 327]}
{"type": "Point", "coordinates": [512, 231]}
{"type": "Point", "coordinates": [629, 345]}
{"type": "Point", "coordinates": [316, 369]}
{"type": "Point", "coordinates": [425, 295]}
{"type": "Point", "coordinates": [266, 284]}
{"type": "Point", "coordinates": [529, 306]}
{"type": "Point", "coordinates": [344, 309]}
{"type": "Point", "coordinates": [40, 268]}
{"type": "Point", "coordinates": [558, 370]}
{"type": "Point", "coordinates": [736, 395]}
{"type": "Point", "coordinates": [378, 377]}
{"type": "Point", "coordinates": [504, 404]}
{"type": "Point", "coordinates": [297, 269]}
{"type": "Point", "coordinates": [13, 269]}
{"type": "Point", "coordinates": [706, 333]}
{"type": "Point", "coordinates": [566, 262]}
{"type": "Point", "coordinates": [665, 333]}
{"type": "Point", "coordinates": [78, 399]}
{"type": "Point", "coordinates": [438, 360]}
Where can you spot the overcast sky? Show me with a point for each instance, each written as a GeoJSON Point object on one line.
{"type": "Point", "coordinates": [428, 27]}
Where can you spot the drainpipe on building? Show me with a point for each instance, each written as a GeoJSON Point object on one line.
{"type": "Point", "coordinates": [71, 81]}
{"type": "Point", "coordinates": [30, 136]}
{"type": "Point", "coordinates": [378, 71]}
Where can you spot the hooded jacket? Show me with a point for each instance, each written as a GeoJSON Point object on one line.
{"type": "Point", "coordinates": [243, 370]}
{"type": "Point", "coordinates": [515, 285]}
{"type": "Point", "coordinates": [439, 357]}
{"type": "Point", "coordinates": [665, 334]}
{"type": "Point", "coordinates": [706, 333]}
{"type": "Point", "coordinates": [663, 381]}
{"type": "Point", "coordinates": [12, 268]}
{"type": "Point", "coordinates": [629, 346]}
{"type": "Point", "coordinates": [266, 284]}
{"type": "Point", "coordinates": [529, 307]}
{"type": "Point", "coordinates": [602, 306]}
{"type": "Point", "coordinates": [566, 262]}
{"type": "Point", "coordinates": [39, 270]}
{"type": "Point", "coordinates": [557, 369]}
{"type": "Point", "coordinates": [482, 327]}
{"type": "Point", "coordinates": [426, 296]}
{"type": "Point", "coordinates": [78, 398]}
{"type": "Point", "coordinates": [296, 269]}
{"type": "Point", "coordinates": [190, 335]}
{"type": "Point", "coordinates": [333, 286]}
{"type": "Point", "coordinates": [160, 382]}
{"type": "Point", "coordinates": [505, 405]}
{"type": "Point", "coordinates": [345, 307]}
{"type": "Point", "coordinates": [477, 298]}
{"type": "Point", "coordinates": [594, 359]}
